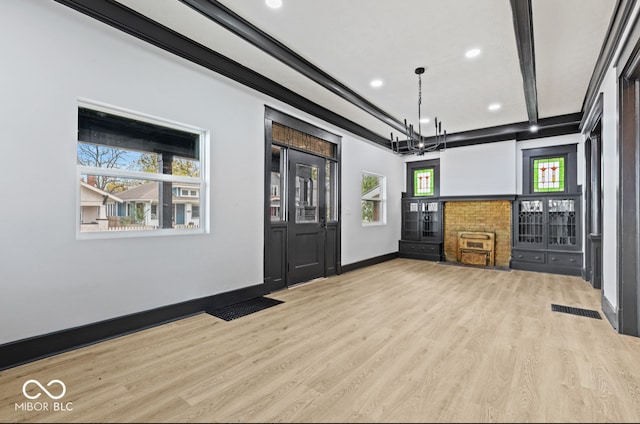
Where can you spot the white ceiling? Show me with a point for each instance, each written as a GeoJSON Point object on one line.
{"type": "Point", "coordinates": [356, 41]}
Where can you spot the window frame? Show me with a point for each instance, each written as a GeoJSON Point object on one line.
{"type": "Point", "coordinates": [202, 181]}
{"type": "Point", "coordinates": [567, 151]}
{"type": "Point", "coordinates": [382, 201]}
{"type": "Point", "coordinates": [412, 167]}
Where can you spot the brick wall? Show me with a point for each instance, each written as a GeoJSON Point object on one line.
{"type": "Point", "coordinates": [493, 216]}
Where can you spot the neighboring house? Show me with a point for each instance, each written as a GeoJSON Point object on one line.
{"type": "Point", "coordinates": [95, 207]}
{"type": "Point", "coordinates": [141, 203]}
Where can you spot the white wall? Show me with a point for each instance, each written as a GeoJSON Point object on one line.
{"type": "Point", "coordinates": [610, 171]}
{"type": "Point", "coordinates": [359, 241]}
{"type": "Point", "coordinates": [493, 168]}
{"type": "Point", "coordinates": [478, 170]}
{"type": "Point", "coordinates": [50, 281]}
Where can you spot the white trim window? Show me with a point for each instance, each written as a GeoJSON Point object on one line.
{"type": "Point", "coordinates": [373, 199]}
{"type": "Point", "coordinates": [128, 164]}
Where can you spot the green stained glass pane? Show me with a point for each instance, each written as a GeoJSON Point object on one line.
{"type": "Point", "coordinates": [548, 175]}
{"type": "Point", "coordinates": [423, 182]}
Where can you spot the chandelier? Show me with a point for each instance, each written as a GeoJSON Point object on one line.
{"type": "Point", "coordinates": [415, 142]}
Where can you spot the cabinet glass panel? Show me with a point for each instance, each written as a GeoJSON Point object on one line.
{"type": "Point", "coordinates": [306, 193]}
{"type": "Point", "coordinates": [410, 221]}
{"type": "Point", "coordinates": [562, 222]}
{"type": "Point", "coordinates": [530, 221]}
{"type": "Point", "coordinates": [430, 221]}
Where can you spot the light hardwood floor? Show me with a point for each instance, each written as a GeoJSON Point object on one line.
{"type": "Point", "coordinates": [401, 341]}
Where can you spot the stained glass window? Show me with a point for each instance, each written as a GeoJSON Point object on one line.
{"type": "Point", "coordinates": [423, 182]}
{"type": "Point", "coordinates": [548, 175]}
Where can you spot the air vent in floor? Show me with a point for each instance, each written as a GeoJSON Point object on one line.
{"type": "Point", "coordinates": [575, 311]}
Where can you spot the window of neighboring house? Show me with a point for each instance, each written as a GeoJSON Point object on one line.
{"type": "Point", "coordinates": [195, 211]}
{"type": "Point", "coordinates": [127, 166]}
{"type": "Point", "coordinates": [373, 198]}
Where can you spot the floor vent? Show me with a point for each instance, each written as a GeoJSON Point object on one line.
{"type": "Point", "coordinates": [241, 309]}
{"type": "Point", "coordinates": [575, 311]}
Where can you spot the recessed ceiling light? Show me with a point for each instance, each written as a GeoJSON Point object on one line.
{"type": "Point", "coordinates": [495, 106]}
{"type": "Point", "coordinates": [376, 83]}
{"type": "Point", "coordinates": [472, 53]}
{"type": "Point", "coordinates": [425, 120]}
{"type": "Point", "coordinates": [274, 4]}
{"type": "Point", "coordinates": [533, 128]}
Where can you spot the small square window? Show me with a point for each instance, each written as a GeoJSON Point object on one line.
{"type": "Point", "coordinates": [548, 175]}
{"type": "Point", "coordinates": [423, 182]}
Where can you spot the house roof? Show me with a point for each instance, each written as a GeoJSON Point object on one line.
{"type": "Point", "coordinates": [100, 192]}
{"type": "Point", "coordinates": [373, 194]}
{"type": "Point", "coordinates": [147, 191]}
{"type": "Point", "coordinates": [150, 192]}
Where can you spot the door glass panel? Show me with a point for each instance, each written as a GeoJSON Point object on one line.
{"type": "Point", "coordinates": [331, 192]}
{"type": "Point", "coordinates": [306, 193]}
{"type": "Point", "coordinates": [275, 192]}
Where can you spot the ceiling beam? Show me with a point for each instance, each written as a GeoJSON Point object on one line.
{"type": "Point", "coordinates": [131, 22]}
{"type": "Point", "coordinates": [225, 17]}
{"type": "Point", "coordinates": [547, 127]}
{"type": "Point", "coordinates": [523, 27]}
{"type": "Point", "coordinates": [134, 23]}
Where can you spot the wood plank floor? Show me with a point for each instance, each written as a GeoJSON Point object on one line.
{"type": "Point", "coordinates": [401, 341]}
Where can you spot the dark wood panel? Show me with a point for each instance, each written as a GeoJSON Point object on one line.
{"type": "Point", "coordinates": [420, 250]}
{"type": "Point", "coordinates": [529, 256]}
{"type": "Point", "coordinates": [330, 246]}
{"type": "Point", "coordinates": [275, 258]}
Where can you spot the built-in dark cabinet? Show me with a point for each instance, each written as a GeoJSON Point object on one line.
{"type": "Point", "coordinates": [422, 225]}
{"type": "Point", "coordinates": [547, 234]}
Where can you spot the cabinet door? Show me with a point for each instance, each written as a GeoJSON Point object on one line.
{"type": "Point", "coordinates": [562, 224]}
{"type": "Point", "coordinates": [431, 222]}
{"type": "Point", "coordinates": [529, 223]}
{"type": "Point", "coordinates": [410, 219]}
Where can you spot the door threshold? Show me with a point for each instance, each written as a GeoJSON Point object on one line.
{"type": "Point", "coordinates": [305, 283]}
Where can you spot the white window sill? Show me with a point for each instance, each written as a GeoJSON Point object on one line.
{"type": "Point", "coordinates": [373, 224]}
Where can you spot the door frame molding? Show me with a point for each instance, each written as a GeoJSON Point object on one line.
{"type": "Point", "coordinates": [628, 222]}
{"type": "Point", "coordinates": [593, 121]}
{"type": "Point", "coordinates": [273, 115]}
